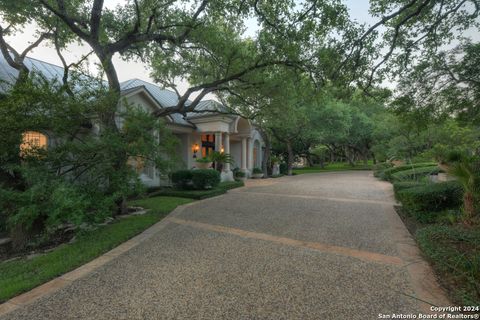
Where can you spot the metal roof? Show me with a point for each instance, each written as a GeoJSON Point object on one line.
{"type": "Point", "coordinates": [165, 98]}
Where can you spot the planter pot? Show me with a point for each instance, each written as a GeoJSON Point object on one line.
{"type": "Point", "coordinates": [203, 165]}
{"type": "Point", "coordinates": [257, 175]}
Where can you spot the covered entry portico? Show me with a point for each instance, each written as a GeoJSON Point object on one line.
{"type": "Point", "coordinates": [224, 133]}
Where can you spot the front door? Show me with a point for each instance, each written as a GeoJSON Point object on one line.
{"type": "Point", "coordinates": [208, 144]}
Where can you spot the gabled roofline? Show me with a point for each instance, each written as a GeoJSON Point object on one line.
{"type": "Point", "coordinates": [144, 90]}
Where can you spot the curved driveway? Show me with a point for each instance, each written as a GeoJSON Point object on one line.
{"type": "Point", "coordinates": [314, 246]}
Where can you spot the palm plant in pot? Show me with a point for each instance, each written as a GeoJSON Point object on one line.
{"type": "Point", "coordinates": [220, 159]}
{"type": "Point", "coordinates": [257, 173]}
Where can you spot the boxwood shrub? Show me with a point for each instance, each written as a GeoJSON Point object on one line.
{"type": "Point", "coordinates": [182, 179]}
{"type": "Point", "coordinates": [415, 174]}
{"type": "Point", "coordinates": [387, 173]}
{"type": "Point", "coordinates": [432, 197]}
{"type": "Point", "coordinates": [402, 185]}
{"type": "Point", "coordinates": [205, 178]}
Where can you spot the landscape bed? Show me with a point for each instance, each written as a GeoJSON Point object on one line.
{"type": "Point", "coordinates": [25, 273]}
{"type": "Point", "coordinates": [432, 214]}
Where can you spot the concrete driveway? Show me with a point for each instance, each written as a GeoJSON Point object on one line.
{"type": "Point", "coordinates": [315, 246]}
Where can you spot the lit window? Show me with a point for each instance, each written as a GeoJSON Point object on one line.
{"type": "Point", "coordinates": [33, 140]}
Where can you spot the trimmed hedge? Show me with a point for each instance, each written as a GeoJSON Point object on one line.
{"type": "Point", "coordinates": [199, 194]}
{"type": "Point", "coordinates": [205, 178]}
{"type": "Point", "coordinates": [415, 174]}
{"type": "Point", "coordinates": [402, 185]}
{"type": "Point", "coordinates": [387, 173]}
{"type": "Point", "coordinates": [432, 197]}
{"type": "Point", "coordinates": [182, 178]}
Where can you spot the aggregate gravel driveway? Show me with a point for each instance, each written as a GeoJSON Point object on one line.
{"type": "Point", "coordinates": [314, 246]}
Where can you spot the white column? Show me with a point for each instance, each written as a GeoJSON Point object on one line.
{"type": "Point", "coordinates": [227, 150]}
{"type": "Point", "coordinates": [244, 154]}
{"type": "Point", "coordinates": [218, 141]}
{"type": "Point", "coordinates": [250, 153]}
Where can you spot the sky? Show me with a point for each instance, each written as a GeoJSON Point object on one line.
{"type": "Point", "coordinates": [131, 69]}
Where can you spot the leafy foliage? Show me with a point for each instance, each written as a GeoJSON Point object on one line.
{"type": "Point", "coordinates": [415, 173]}
{"type": "Point", "coordinates": [182, 178]}
{"type": "Point", "coordinates": [432, 197]}
{"type": "Point", "coordinates": [389, 172]}
{"type": "Point", "coordinates": [454, 253]}
{"type": "Point", "coordinates": [205, 178]}
{"type": "Point", "coordinates": [76, 178]}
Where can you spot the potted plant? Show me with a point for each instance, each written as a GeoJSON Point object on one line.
{"type": "Point", "coordinates": [240, 175]}
{"type": "Point", "coordinates": [220, 158]}
{"type": "Point", "coordinates": [257, 173]}
{"type": "Point", "coordinates": [203, 163]}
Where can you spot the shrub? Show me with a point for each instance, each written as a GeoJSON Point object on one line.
{"type": "Point", "coordinates": [199, 194]}
{"type": "Point", "coordinates": [432, 197]}
{"type": "Point", "coordinates": [387, 173]}
{"type": "Point", "coordinates": [239, 174]}
{"type": "Point", "coordinates": [205, 178]}
{"type": "Point", "coordinates": [283, 168]}
{"type": "Point", "coordinates": [402, 185]}
{"type": "Point", "coordinates": [415, 174]}
{"type": "Point", "coordinates": [182, 179]}
{"type": "Point", "coordinates": [380, 167]}
{"type": "Point", "coordinates": [257, 171]}
{"type": "Point", "coordinates": [227, 185]}
{"type": "Point", "coordinates": [455, 255]}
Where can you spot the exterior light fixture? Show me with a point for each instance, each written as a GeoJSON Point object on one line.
{"type": "Point", "coordinates": [222, 150]}
{"type": "Point", "coordinates": [195, 149]}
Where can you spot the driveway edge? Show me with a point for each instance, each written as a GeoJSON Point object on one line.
{"type": "Point", "coordinates": [64, 280]}
{"type": "Point", "coordinates": [428, 291]}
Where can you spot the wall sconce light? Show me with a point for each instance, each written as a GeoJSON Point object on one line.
{"type": "Point", "coordinates": [222, 150]}
{"type": "Point", "coordinates": [195, 149]}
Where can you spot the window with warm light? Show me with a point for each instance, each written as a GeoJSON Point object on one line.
{"type": "Point", "coordinates": [33, 140]}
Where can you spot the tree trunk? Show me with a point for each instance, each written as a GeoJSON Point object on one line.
{"type": "Point", "coordinates": [348, 156]}
{"type": "Point", "coordinates": [309, 160]}
{"type": "Point", "coordinates": [365, 157]}
{"type": "Point", "coordinates": [289, 158]}
{"type": "Point", "coordinates": [119, 157]}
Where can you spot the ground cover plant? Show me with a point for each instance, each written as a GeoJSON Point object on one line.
{"type": "Point", "coordinates": [19, 275]}
{"type": "Point", "coordinates": [454, 252]}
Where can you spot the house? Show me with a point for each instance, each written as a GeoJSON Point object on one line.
{"type": "Point", "coordinates": [206, 130]}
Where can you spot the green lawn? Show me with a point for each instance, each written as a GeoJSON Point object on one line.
{"type": "Point", "coordinates": [22, 275]}
{"type": "Point", "coordinates": [222, 188]}
{"type": "Point", "coordinates": [337, 166]}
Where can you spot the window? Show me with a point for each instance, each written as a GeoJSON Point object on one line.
{"type": "Point", "coordinates": [33, 140]}
{"type": "Point", "coordinates": [208, 144]}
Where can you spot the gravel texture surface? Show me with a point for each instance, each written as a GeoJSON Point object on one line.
{"type": "Point", "coordinates": [184, 272]}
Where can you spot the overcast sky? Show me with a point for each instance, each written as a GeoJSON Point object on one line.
{"type": "Point", "coordinates": [128, 70]}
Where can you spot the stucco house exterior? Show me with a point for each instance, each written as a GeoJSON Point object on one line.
{"type": "Point", "coordinates": [208, 129]}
